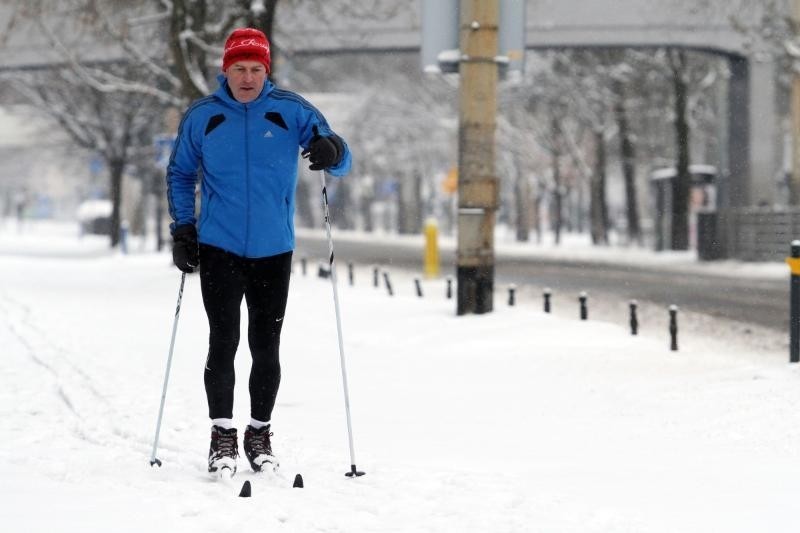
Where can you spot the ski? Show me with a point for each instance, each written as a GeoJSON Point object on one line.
{"type": "Point", "coordinates": [246, 491]}
{"type": "Point", "coordinates": [297, 482]}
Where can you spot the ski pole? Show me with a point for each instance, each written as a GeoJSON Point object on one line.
{"type": "Point", "coordinates": [153, 459]}
{"type": "Point", "coordinates": [353, 471]}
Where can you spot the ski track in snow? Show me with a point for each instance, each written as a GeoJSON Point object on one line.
{"type": "Point", "coordinates": [515, 421]}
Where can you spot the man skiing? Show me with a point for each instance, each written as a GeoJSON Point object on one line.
{"type": "Point", "coordinates": [242, 143]}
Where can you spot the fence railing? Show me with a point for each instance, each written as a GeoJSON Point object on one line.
{"type": "Point", "coordinates": [761, 234]}
{"type": "Point", "coordinates": [747, 234]}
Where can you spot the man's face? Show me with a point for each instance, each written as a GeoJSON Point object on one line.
{"type": "Point", "coordinates": [246, 79]}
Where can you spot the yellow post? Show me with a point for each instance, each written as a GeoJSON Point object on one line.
{"type": "Point", "coordinates": [794, 265]}
{"type": "Point", "coordinates": [431, 266]}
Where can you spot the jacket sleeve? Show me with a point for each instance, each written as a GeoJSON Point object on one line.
{"type": "Point", "coordinates": [311, 118]}
{"type": "Point", "coordinates": [182, 174]}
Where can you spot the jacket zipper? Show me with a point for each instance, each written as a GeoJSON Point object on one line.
{"type": "Point", "coordinates": [247, 182]}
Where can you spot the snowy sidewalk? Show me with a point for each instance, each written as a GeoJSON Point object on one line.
{"type": "Point", "coordinates": [515, 421]}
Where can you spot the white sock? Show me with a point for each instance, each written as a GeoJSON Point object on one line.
{"type": "Point", "coordinates": [258, 424]}
{"type": "Point", "coordinates": [224, 423]}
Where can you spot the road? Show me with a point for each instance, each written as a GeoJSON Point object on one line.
{"type": "Point", "coordinates": [759, 302]}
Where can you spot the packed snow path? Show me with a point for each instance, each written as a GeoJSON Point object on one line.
{"type": "Point", "coordinates": [514, 421]}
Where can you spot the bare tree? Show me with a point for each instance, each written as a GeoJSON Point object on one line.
{"type": "Point", "coordinates": [598, 205]}
{"type": "Point", "coordinates": [691, 77]}
{"type": "Point", "coordinates": [177, 42]}
{"type": "Point", "coordinates": [569, 102]}
{"type": "Point", "coordinates": [605, 78]}
{"type": "Point", "coordinates": [628, 159]}
{"type": "Point", "coordinates": [682, 182]}
{"type": "Point", "coordinates": [584, 76]}
{"type": "Point", "coordinates": [405, 130]}
{"type": "Point", "coordinates": [116, 127]}
{"type": "Point", "coordinates": [551, 137]}
{"type": "Point", "coordinates": [155, 54]}
{"type": "Point", "coordinates": [520, 157]}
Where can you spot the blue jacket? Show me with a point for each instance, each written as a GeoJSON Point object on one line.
{"type": "Point", "coordinates": [246, 157]}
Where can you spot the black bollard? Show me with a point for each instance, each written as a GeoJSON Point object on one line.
{"type": "Point", "coordinates": [375, 282]}
{"type": "Point", "coordinates": [547, 293]}
{"type": "Point", "coordinates": [449, 288]}
{"type": "Point", "coordinates": [511, 290]}
{"type": "Point", "coordinates": [584, 309]}
{"type": "Point", "coordinates": [388, 283]}
{"type": "Point", "coordinates": [303, 262]}
{"type": "Point", "coordinates": [350, 274]}
{"type": "Point", "coordinates": [794, 304]}
{"type": "Point", "coordinates": [634, 320]}
{"type": "Point", "coordinates": [418, 285]}
{"type": "Point", "coordinates": [673, 327]}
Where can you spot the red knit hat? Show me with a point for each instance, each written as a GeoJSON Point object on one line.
{"type": "Point", "coordinates": [246, 44]}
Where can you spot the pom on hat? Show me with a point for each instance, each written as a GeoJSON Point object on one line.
{"type": "Point", "coordinates": [246, 44]}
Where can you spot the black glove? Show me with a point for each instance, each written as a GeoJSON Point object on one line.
{"type": "Point", "coordinates": [185, 253]}
{"type": "Point", "coordinates": [324, 152]}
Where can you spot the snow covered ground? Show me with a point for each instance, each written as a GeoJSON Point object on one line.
{"type": "Point", "coordinates": [514, 421]}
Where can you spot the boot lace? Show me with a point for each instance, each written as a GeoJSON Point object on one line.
{"type": "Point", "coordinates": [226, 446]}
{"type": "Point", "coordinates": [259, 443]}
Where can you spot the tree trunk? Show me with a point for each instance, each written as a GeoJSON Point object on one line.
{"type": "Point", "coordinates": [628, 157]}
{"type": "Point", "coordinates": [365, 202]}
{"type": "Point", "coordinates": [183, 58]}
{"type": "Point", "coordinates": [408, 204]}
{"type": "Point", "coordinates": [265, 21]}
{"type": "Point", "coordinates": [568, 205]}
{"type": "Point", "coordinates": [523, 201]}
{"type": "Point", "coordinates": [115, 168]}
{"type": "Point", "coordinates": [364, 198]}
{"type": "Point", "coordinates": [580, 204]}
{"type": "Point", "coordinates": [159, 194]}
{"type": "Point", "coordinates": [536, 212]}
{"type": "Point", "coordinates": [681, 183]}
{"type": "Point", "coordinates": [139, 216]}
{"type": "Point", "coordinates": [344, 209]}
{"type": "Point", "coordinates": [415, 226]}
{"type": "Point", "coordinates": [159, 223]}
{"type": "Point", "coordinates": [555, 215]}
{"type": "Point", "coordinates": [598, 208]}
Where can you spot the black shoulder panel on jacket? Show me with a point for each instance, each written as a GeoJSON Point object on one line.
{"type": "Point", "coordinates": [213, 122]}
{"type": "Point", "coordinates": [276, 118]}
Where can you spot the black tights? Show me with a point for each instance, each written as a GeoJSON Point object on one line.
{"type": "Point", "coordinates": [264, 282]}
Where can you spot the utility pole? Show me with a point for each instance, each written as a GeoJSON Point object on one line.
{"type": "Point", "coordinates": [794, 185]}
{"type": "Point", "coordinates": [478, 188]}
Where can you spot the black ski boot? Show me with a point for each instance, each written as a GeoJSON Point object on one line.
{"type": "Point", "coordinates": [223, 451]}
{"type": "Point", "coordinates": [258, 448]}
